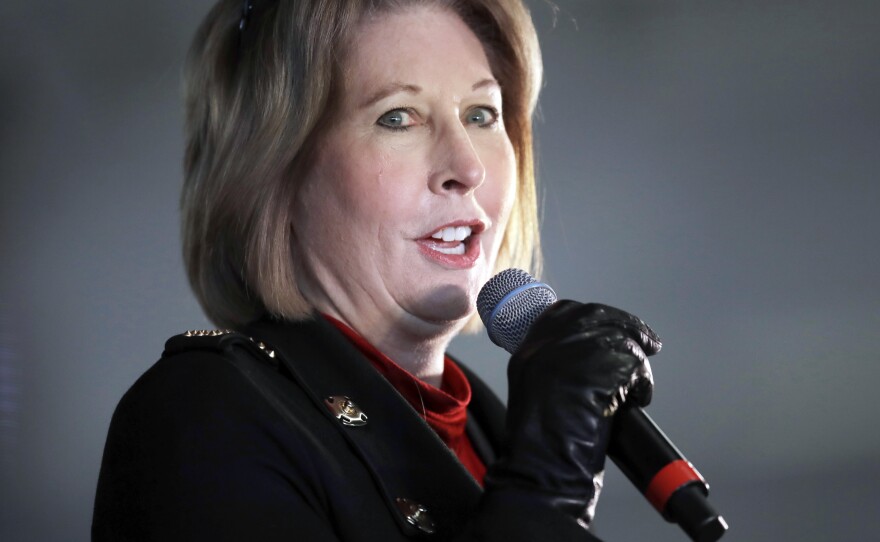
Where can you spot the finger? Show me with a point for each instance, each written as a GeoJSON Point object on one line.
{"type": "Point", "coordinates": [597, 314]}
{"type": "Point", "coordinates": [640, 387]}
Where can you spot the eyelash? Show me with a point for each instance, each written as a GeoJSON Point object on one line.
{"type": "Point", "coordinates": [408, 110]}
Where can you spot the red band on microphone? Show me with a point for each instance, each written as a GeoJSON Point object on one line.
{"type": "Point", "coordinates": [668, 480]}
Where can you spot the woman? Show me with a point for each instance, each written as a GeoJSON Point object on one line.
{"type": "Point", "coordinates": [355, 172]}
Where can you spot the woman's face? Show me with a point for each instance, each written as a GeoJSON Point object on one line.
{"type": "Point", "coordinates": [401, 216]}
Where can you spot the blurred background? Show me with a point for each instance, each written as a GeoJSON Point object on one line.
{"type": "Point", "coordinates": [710, 166]}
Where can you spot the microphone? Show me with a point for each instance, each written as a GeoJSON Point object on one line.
{"type": "Point", "coordinates": [508, 305]}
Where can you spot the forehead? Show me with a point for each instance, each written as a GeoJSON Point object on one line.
{"type": "Point", "coordinates": [418, 45]}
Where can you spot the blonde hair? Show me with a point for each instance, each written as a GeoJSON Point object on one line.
{"type": "Point", "coordinates": [254, 99]}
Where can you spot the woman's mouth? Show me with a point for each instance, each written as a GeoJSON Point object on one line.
{"type": "Point", "coordinates": [451, 239]}
{"type": "Point", "coordinates": [455, 245]}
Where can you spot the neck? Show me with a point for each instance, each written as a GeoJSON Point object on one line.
{"type": "Point", "coordinates": [423, 360]}
{"type": "Point", "coordinates": [417, 347]}
{"type": "Point", "coordinates": [416, 344]}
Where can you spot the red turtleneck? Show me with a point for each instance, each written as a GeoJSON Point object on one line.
{"type": "Point", "coordinates": [444, 408]}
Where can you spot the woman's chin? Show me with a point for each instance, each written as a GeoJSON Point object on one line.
{"type": "Point", "coordinates": [447, 304]}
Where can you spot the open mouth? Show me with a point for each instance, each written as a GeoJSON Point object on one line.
{"type": "Point", "coordinates": [455, 245]}
{"type": "Point", "coordinates": [451, 240]}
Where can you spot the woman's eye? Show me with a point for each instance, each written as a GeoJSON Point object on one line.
{"type": "Point", "coordinates": [396, 119]}
{"type": "Point", "coordinates": [482, 116]}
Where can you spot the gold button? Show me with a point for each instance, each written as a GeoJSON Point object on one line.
{"type": "Point", "coordinates": [416, 515]}
{"type": "Point", "coordinates": [344, 410]}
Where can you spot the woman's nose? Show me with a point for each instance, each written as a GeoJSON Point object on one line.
{"type": "Point", "coordinates": [458, 168]}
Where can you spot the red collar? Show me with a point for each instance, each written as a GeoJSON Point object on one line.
{"type": "Point", "coordinates": [445, 409]}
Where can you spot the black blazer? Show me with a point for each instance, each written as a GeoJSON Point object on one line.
{"type": "Point", "coordinates": [229, 436]}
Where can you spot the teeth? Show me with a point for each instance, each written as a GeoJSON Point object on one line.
{"type": "Point", "coordinates": [452, 234]}
{"type": "Point", "coordinates": [457, 250]}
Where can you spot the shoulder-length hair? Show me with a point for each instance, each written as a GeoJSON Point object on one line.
{"type": "Point", "coordinates": [254, 99]}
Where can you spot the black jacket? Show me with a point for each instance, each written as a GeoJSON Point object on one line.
{"type": "Point", "coordinates": [230, 437]}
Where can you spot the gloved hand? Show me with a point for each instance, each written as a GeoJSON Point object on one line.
{"type": "Point", "coordinates": [576, 366]}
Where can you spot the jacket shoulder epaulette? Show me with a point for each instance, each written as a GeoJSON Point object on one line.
{"type": "Point", "coordinates": [220, 341]}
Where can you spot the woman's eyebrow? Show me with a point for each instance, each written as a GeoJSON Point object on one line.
{"type": "Point", "coordinates": [410, 88]}
{"type": "Point", "coordinates": [390, 89]}
{"type": "Point", "coordinates": [485, 83]}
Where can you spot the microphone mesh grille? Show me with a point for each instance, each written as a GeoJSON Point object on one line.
{"type": "Point", "coordinates": [508, 320]}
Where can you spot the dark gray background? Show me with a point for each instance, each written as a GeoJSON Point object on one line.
{"type": "Point", "coordinates": [710, 166]}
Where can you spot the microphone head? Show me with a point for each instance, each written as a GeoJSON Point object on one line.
{"type": "Point", "coordinates": [509, 303]}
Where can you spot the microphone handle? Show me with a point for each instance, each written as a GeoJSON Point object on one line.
{"type": "Point", "coordinates": [659, 471]}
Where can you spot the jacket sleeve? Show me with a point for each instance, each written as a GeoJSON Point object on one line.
{"type": "Point", "coordinates": [516, 517]}
{"type": "Point", "coordinates": [194, 454]}
{"type": "Point", "coordinates": [508, 516]}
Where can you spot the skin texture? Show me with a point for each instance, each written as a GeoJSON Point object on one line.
{"type": "Point", "coordinates": [416, 143]}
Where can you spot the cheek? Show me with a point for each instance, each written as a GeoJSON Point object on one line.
{"type": "Point", "coordinates": [504, 183]}
{"type": "Point", "coordinates": [393, 186]}
{"type": "Point", "coordinates": [499, 199]}
{"type": "Point", "coordinates": [345, 189]}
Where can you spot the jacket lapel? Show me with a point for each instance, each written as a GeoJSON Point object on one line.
{"type": "Point", "coordinates": [407, 460]}
{"type": "Point", "coordinates": [486, 415]}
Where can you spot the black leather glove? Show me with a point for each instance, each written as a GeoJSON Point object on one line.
{"type": "Point", "coordinates": [575, 367]}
